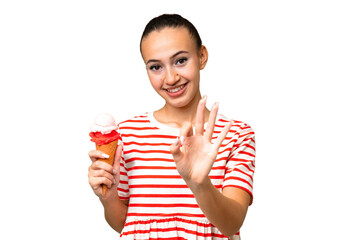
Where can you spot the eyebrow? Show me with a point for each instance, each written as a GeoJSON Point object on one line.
{"type": "Point", "coordinates": [173, 56]}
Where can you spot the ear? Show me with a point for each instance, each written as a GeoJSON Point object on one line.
{"type": "Point", "coordinates": [203, 57]}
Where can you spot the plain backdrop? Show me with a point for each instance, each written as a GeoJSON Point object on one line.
{"type": "Point", "coordinates": [290, 69]}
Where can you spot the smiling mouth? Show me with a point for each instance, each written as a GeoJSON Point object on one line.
{"type": "Point", "coordinates": [176, 89]}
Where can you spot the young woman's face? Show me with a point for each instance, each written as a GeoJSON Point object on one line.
{"type": "Point", "coordinates": [173, 63]}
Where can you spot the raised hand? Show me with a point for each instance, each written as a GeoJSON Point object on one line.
{"type": "Point", "coordinates": [196, 157]}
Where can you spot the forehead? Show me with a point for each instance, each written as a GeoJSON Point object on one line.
{"type": "Point", "coordinates": [165, 42]}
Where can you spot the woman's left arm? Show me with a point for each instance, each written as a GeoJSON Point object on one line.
{"type": "Point", "coordinates": [226, 210]}
{"type": "Point", "coordinates": [194, 161]}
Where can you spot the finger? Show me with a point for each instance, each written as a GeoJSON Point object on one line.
{"type": "Point", "coordinates": [96, 155]}
{"type": "Point", "coordinates": [199, 122]}
{"type": "Point", "coordinates": [211, 123]}
{"type": "Point", "coordinates": [186, 130]}
{"type": "Point", "coordinates": [96, 182]}
{"type": "Point", "coordinates": [102, 173]}
{"type": "Point", "coordinates": [117, 158]}
{"type": "Point", "coordinates": [175, 150]}
{"type": "Point", "coordinates": [223, 134]}
{"type": "Point", "coordinates": [99, 165]}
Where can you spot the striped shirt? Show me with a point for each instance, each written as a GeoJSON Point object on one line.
{"type": "Point", "coordinates": [161, 206]}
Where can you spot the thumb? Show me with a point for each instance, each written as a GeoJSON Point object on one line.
{"type": "Point", "coordinates": [118, 154]}
{"type": "Point", "coordinates": [175, 149]}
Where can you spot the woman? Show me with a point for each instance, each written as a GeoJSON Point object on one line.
{"type": "Point", "coordinates": [181, 172]}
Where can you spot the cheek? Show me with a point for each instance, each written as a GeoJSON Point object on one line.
{"type": "Point", "coordinates": [190, 73]}
{"type": "Point", "coordinates": [156, 81]}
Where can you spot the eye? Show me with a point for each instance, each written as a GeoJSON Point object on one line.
{"type": "Point", "coordinates": [155, 67]}
{"type": "Point", "coordinates": [181, 60]}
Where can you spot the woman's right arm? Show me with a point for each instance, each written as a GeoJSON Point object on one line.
{"type": "Point", "coordinates": [100, 173]}
{"type": "Point", "coordinates": [115, 213]}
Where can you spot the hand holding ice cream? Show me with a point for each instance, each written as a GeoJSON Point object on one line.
{"type": "Point", "coordinates": [105, 135]}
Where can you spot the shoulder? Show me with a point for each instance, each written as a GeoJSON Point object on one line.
{"type": "Point", "coordinates": [238, 128]}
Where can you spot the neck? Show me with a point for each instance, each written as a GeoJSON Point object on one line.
{"type": "Point", "coordinates": [176, 117]}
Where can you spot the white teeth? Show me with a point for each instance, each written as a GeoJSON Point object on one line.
{"type": "Point", "coordinates": [175, 89]}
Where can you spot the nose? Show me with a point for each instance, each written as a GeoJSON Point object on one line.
{"type": "Point", "coordinates": [172, 77]}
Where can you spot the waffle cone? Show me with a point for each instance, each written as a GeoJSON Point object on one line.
{"type": "Point", "coordinates": [110, 150]}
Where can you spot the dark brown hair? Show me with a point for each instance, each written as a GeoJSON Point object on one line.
{"type": "Point", "coordinates": [174, 21]}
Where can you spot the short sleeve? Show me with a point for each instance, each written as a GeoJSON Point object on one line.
{"type": "Point", "coordinates": [240, 166]}
{"type": "Point", "coordinates": [123, 186]}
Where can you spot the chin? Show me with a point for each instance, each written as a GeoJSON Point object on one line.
{"type": "Point", "coordinates": [177, 104]}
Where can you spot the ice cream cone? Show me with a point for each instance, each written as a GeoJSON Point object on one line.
{"type": "Point", "coordinates": [110, 150]}
{"type": "Point", "coordinates": [103, 133]}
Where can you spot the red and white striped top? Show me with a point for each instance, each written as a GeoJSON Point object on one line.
{"type": "Point", "coordinates": [161, 206]}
